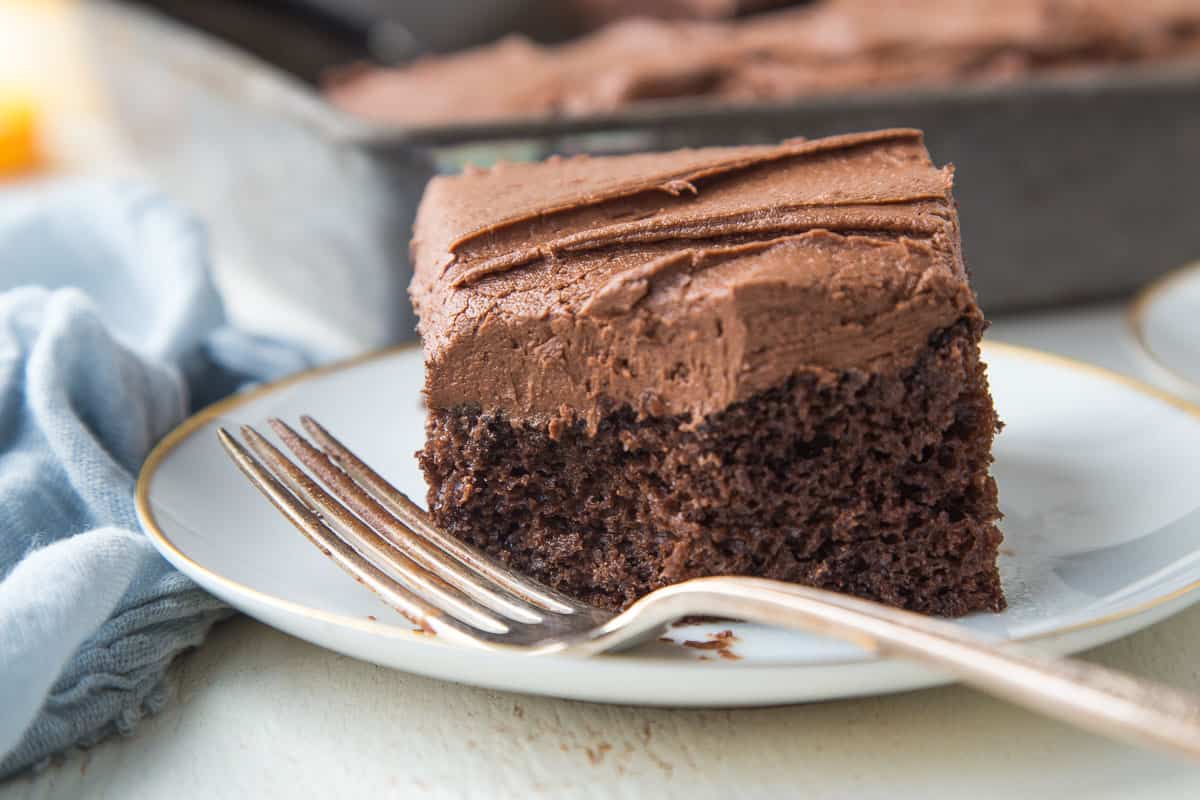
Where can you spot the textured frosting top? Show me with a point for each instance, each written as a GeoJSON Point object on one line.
{"type": "Point", "coordinates": [682, 282]}
{"type": "Point", "coordinates": [826, 46]}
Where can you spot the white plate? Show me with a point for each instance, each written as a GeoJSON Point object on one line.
{"type": "Point", "coordinates": [1097, 483]}
{"type": "Point", "coordinates": [1166, 325]}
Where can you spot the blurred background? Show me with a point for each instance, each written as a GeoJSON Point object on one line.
{"type": "Point", "coordinates": [302, 132]}
{"type": "Point", "coordinates": [308, 37]}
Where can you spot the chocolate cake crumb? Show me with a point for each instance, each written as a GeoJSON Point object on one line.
{"type": "Point", "coordinates": [712, 644]}
{"type": "Point", "coordinates": [596, 755]}
{"type": "Point", "coordinates": [721, 641]}
{"type": "Point", "coordinates": [422, 625]}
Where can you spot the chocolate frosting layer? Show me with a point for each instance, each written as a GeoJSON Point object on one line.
{"type": "Point", "coordinates": [683, 282]}
{"type": "Point", "coordinates": [826, 46]}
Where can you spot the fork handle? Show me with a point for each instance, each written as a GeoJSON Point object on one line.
{"type": "Point", "coordinates": [1086, 695]}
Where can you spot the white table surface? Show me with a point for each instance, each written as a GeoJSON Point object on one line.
{"type": "Point", "coordinates": [259, 714]}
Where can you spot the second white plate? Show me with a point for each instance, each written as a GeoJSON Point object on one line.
{"type": "Point", "coordinates": [1166, 326]}
{"type": "Point", "coordinates": [1097, 482]}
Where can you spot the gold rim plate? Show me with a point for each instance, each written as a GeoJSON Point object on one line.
{"type": "Point", "coordinates": [224, 407]}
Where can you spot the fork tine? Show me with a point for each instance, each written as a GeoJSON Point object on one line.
{"type": "Point", "coordinates": [310, 524]}
{"type": "Point", "coordinates": [397, 534]}
{"type": "Point", "coordinates": [417, 521]}
{"type": "Point", "coordinates": [354, 533]}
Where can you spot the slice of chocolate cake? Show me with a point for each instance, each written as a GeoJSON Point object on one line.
{"type": "Point", "coordinates": [756, 360]}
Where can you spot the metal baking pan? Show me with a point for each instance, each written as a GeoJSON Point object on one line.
{"type": "Point", "coordinates": [1071, 188]}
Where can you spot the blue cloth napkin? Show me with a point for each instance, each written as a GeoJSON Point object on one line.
{"type": "Point", "coordinates": [111, 331]}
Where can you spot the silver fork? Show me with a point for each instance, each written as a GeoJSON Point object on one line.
{"type": "Point", "coordinates": [383, 540]}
